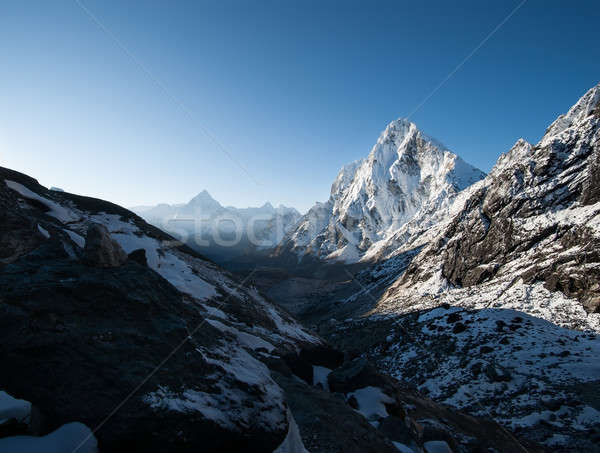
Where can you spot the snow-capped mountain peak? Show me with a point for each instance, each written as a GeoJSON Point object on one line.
{"type": "Point", "coordinates": [205, 201]}
{"type": "Point", "coordinates": [587, 105]}
{"type": "Point", "coordinates": [405, 173]}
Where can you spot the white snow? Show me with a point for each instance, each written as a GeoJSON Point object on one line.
{"type": "Point", "coordinates": [403, 448]}
{"type": "Point", "coordinates": [539, 361]}
{"type": "Point", "coordinates": [437, 446]}
{"type": "Point", "coordinates": [371, 402]}
{"type": "Point", "coordinates": [248, 340]}
{"type": "Point", "coordinates": [289, 328]}
{"type": "Point", "coordinates": [215, 312]}
{"type": "Point", "coordinates": [320, 374]}
{"type": "Point", "coordinates": [61, 213]}
{"type": "Point", "coordinates": [229, 403]}
{"type": "Point", "coordinates": [43, 231]}
{"type": "Point", "coordinates": [13, 408]}
{"type": "Point", "coordinates": [293, 441]}
{"type": "Point", "coordinates": [69, 438]}
{"type": "Point", "coordinates": [407, 176]}
{"type": "Point", "coordinates": [177, 268]}
{"type": "Point", "coordinates": [203, 216]}
{"type": "Point", "coordinates": [76, 238]}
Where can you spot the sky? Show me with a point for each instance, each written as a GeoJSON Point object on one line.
{"type": "Point", "coordinates": [151, 102]}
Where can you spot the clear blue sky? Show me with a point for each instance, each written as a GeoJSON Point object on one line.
{"type": "Point", "coordinates": [293, 89]}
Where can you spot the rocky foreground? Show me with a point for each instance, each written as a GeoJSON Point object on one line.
{"type": "Point", "coordinates": [115, 337]}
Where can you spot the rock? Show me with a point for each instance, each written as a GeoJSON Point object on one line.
{"type": "Point", "coordinates": [76, 335]}
{"type": "Point", "coordinates": [101, 250]}
{"type": "Point", "coordinates": [138, 256]}
{"type": "Point", "coordinates": [328, 424]}
{"type": "Point", "coordinates": [496, 373]}
{"type": "Point", "coordinates": [453, 317]}
{"type": "Point", "coordinates": [323, 355]}
{"type": "Point", "coordinates": [355, 375]}
{"type": "Point", "coordinates": [300, 367]}
{"type": "Point", "coordinates": [13, 427]}
{"type": "Point", "coordinates": [352, 402]}
{"type": "Point", "coordinates": [396, 429]}
{"type": "Point", "coordinates": [459, 327]}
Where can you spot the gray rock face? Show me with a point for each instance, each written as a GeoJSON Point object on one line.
{"type": "Point", "coordinates": [495, 227]}
{"type": "Point", "coordinates": [529, 231]}
{"type": "Point", "coordinates": [101, 250]}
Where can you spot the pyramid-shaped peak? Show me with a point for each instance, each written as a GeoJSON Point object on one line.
{"type": "Point", "coordinates": [204, 198]}
{"type": "Point", "coordinates": [402, 129]}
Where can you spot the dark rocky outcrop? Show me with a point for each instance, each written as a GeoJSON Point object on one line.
{"type": "Point", "coordinates": [139, 256]}
{"type": "Point", "coordinates": [357, 374]}
{"type": "Point", "coordinates": [101, 250]}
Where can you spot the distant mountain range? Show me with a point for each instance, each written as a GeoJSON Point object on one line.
{"type": "Point", "coordinates": [222, 232]}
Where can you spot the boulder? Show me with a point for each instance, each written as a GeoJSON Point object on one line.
{"type": "Point", "coordinates": [139, 256]}
{"type": "Point", "coordinates": [101, 250]}
{"type": "Point", "coordinates": [323, 355]}
{"type": "Point", "coordinates": [355, 375]}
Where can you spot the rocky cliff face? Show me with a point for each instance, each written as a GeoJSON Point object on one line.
{"type": "Point", "coordinates": [540, 207]}
{"type": "Point", "coordinates": [406, 175]}
{"type": "Point", "coordinates": [531, 229]}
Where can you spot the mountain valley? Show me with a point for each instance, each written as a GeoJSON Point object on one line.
{"type": "Point", "coordinates": [424, 307]}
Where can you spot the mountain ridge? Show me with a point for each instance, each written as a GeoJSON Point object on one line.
{"type": "Point", "coordinates": [405, 172]}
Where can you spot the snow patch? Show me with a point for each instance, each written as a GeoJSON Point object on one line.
{"type": "Point", "coordinates": [293, 441]}
{"type": "Point", "coordinates": [55, 210]}
{"type": "Point", "coordinates": [66, 439]}
{"type": "Point", "coordinates": [43, 231]}
{"type": "Point", "coordinates": [320, 374]}
{"type": "Point", "coordinates": [76, 238]}
{"type": "Point", "coordinates": [13, 408]}
{"type": "Point", "coordinates": [371, 402]}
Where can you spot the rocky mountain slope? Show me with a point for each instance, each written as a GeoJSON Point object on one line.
{"type": "Point", "coordinates": [221, 232]}
{"type": "Point", "coordinates": [526, 237]}
{"type": "Point", "coordinates": [115, 337]}
{"type": "Point", "coordinates": [496, 310]}
{"type": "Point", "coordinates": [406, 176]}
{"type": "Point", "coordinates": [93, 299]}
